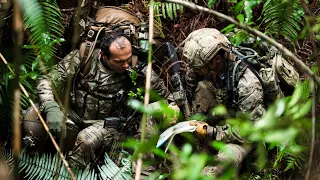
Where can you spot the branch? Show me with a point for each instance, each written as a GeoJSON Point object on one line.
{"type": "Point", "coordinates": [148, 85]}
{"type": "Point", "coordinates": [314, 103]}
{"type": "Point", "coordinates": [283, 49]}
{"type": "Point", "coordinates": [18, 36]}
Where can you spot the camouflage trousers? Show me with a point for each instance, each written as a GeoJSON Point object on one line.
{"type": "Point", "coordinates": [232, 155]}
{"type": "Point", "coordinates": [88, 141]}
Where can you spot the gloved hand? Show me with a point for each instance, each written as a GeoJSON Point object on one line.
{"type": "Point", "coordinates": [202, 127]}
{"type": "Point", "coordinates": [53, 116]}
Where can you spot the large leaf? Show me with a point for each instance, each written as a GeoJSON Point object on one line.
{"type": "Point", "coordinates": [283, 18]}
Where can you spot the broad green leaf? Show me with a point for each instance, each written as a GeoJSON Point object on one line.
{"type": "Point", "coordinates": [267, 120]}
{"type": "Point", "coordinates": [197, 163]}
{"type": "Point", "coordinates": [280, 108]}
{"type": "Point", "coordinates": [23, 77]}
{"type": "Point", "coordinates": [160, 152]}
{"type": "Point", "coordinates": [296, 96]}
{"type": "Point", "coordinates": [218, 145]}
{"type": "Point", "coordinates": [219, 110]}
{"type": "Point", "coordinates": [238, 7]}
{"type": "Point", "coordinates": [58, 41]}
{"type": "Point", "coordinates": [228, 29]}
{"type": "Point", "coordinates": [240, 17]}
{"type": "Point", "coordinates": [281, 136]}
{"type": "Point", "coordinates": [135, 104]}
{"type": "Point", "coordinates": [304, 110]}
{"type": "Point", "coordinates": [163, 176]}
{"type": "Point", "coordinates": [199, 117]}
{"type": "Point", "coordinates": [186, 150]}
{"type": "Point", "coordinates": [261, 155]}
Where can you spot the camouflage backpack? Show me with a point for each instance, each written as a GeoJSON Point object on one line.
{"type": "Point", "coordinates": [277, 76]}
{"type": "Point", "coordinates": [109, 19]}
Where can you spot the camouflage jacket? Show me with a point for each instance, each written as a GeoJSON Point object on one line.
{"type": "Point", "coordinates": [94, 94]}
{"type": "Point", "coordinates": [250, 99]}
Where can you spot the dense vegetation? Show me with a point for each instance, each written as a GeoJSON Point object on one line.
{"type": "Point", "coordinates": [282, 138]}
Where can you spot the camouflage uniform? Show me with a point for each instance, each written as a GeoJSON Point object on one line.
{"type": "Point", "coordinates": [92, 98]}
{"type": "Point", "coordinates": [201, 46]}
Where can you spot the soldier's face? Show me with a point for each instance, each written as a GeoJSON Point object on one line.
{"type": "Point", "coordinates": [120, 55]}
{"type": "Point", "coordinates": [214, 65]}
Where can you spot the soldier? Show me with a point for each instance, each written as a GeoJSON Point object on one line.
{"type": "Point", "coordinates": [93, 94]}
{"type": "Point", "coordinates": [208, 54]}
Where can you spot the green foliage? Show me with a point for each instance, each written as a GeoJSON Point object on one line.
{"type": "Point", "coordinates": [136, 95]}
{"type": "Point", "coordinates": [211, 3]}
{"type": "Point", "coordinates": [166, 10]}
{"type": "Point", "coordinates": [188, 165]}
{"type": "Point", "coordinates": [43, 19]}
{"type": "Point", "coordinates": [283, 18]}
{"type": "Point", "coordinates": [279, 18]}
{"type": "Point", "coordinates": [281, 127]}
{"type": "Point", "coordinates": [248, 6]}
{"type": "Point", "coordinates": [44, 167]}
{"type": "Point", "coordinates": [43, 22]}
{"type": "Point", "coordinates": [6, 95]}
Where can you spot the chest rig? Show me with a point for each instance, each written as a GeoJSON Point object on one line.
{"type": "Point", "coordinates": [95, 88]}
{"type": "Point", "coordinates": [226, 90]}
{"type": "Point", "coordinates": [94, 93]}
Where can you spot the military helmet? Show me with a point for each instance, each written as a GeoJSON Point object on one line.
{"type": "Point", "coordinates": [202, 45]}
{"type": "Point", "coordinates": [33, 131]}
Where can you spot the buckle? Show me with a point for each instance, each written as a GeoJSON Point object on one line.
{"type": "Point", "coordinates": [120, 95]}
{"type": "Point", "coordinates": [82, 23]}
{"type": "Point", "coordinates": [29, 141]}
{"type": "Point", "coordinates": [90, 33]}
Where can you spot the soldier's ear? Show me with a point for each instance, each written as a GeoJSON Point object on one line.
{"type": "Point", "coordinates": [218, 59]}
{"type": "Point", "coordinates": [226, 55]}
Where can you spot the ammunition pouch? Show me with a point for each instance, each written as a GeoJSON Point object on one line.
{"type": "Point", "coordinates": [113, 122]}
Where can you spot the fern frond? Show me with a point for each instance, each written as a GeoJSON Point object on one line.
{"type": "Point", "coordinates": [163, 10]}
{"type": "Point", "coordinates": [43, 19]}
{"type": "Point", "coordinates": [111, 171]}
{"type": "Point", "coordinates": [44, 167]}
{"type": "Point", "coordinates": [157, 12]}
{"type": "Point", "coordinates": [168, 10]}
{"type": "Point", "coordinates": [295, 161]}
{"type": "Point", "coordinates": [283, 18]}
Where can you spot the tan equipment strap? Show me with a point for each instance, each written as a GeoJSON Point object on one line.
{"type": "Point", "coordinates": [86, 60]}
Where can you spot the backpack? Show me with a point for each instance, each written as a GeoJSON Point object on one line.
{"type": "Point", "coordinates": [277, 76]}
{"type": "Point", "coordinates": [109, 19]}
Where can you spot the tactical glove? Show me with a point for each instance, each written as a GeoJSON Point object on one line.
{"type": "Point", "coordinates": [54, 116]}
{"type": "Point", "coordinates": [203, 128]}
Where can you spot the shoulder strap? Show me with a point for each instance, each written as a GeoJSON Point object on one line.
{"type": "Point", "coordinates": [85, 59]}
{"type": "Point", "coordinates": [233, 76]}
{"type": "Point", "coordinates": [253, 70]}
{"type": "Point", "coordinates": [243, 59]}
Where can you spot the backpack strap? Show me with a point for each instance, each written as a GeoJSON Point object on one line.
{"type": "Point", "coordinates": [242, 60]}
{"type": "Point", "coordinates": [85, 59]}
{"type": "Point", "coordinates": [252, 70]}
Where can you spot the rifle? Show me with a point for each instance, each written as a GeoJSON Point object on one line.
{"type": "Point", "coordinates": [178, 91]}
